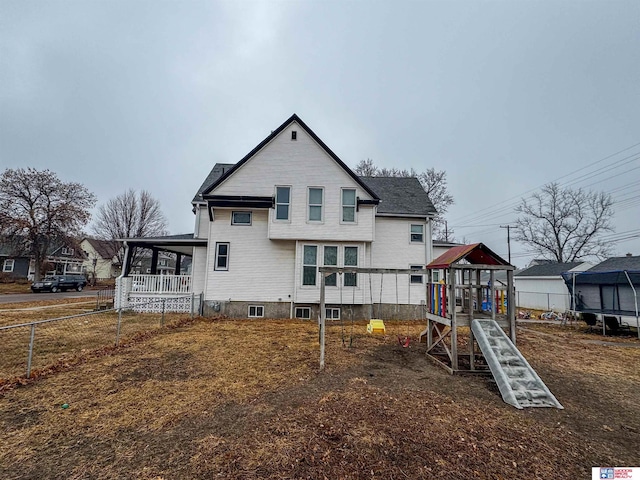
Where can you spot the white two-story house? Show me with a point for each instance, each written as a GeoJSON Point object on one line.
{"type": "Point", "coordinates": [264, 226]}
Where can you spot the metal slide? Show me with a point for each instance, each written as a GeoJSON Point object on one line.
{"type": "Point", "coordinates": [519, 384]}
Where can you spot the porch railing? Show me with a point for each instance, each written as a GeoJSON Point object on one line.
{"type": "Point", "coordinates": [160, 284]}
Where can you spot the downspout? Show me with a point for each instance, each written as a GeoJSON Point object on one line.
{"type": "Point", "coordinates": [575, 307]}
{"type": "Point", "coordinates": [635, 298]}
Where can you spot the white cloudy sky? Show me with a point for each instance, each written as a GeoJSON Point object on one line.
{"type": "Point", "coordinates": [504, 96]}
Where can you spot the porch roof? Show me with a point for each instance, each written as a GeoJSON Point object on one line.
{"type": "Point", "coordinates": [183, 243]}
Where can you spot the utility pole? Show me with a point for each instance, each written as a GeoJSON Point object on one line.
{"type": "Point", "coordinates": [508, 227]}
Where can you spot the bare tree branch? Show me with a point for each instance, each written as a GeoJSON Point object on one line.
{"type": "Point", "coordinates": [565, 224]}
{"type": "Point", "coordinates": [129, 215]}
{"type": "Point", "coordinates": [36, 208]}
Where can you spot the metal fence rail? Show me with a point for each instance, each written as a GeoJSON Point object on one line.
{"type": "Point", "coordinates": [36, 345]}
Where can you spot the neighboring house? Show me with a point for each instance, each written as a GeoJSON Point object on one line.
{"type": "Point", "coordinates": [166, 264]}
{"type": "Point", "coordinates": [12, 264]}
{"type": "Point", "coordinates": [542, 287]}
{"type": "Point", "coordinates": [100, 261]}
{"type": "Point", "coordinates": [264, 225]}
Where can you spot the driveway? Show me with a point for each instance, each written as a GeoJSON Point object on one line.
{"type": "Point", "coordinates": [34, 297]}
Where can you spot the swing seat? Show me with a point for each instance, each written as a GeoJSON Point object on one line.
{"type": "Point", "coordinates": [376, 326]}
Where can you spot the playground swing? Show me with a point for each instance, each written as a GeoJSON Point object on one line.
{"type": "Point", "coordinates": [353, 301]}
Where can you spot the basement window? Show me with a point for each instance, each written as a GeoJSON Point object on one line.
{"type": "Point", "coordinates": [332, 313]}
{"type": "Point", "coordinates": [303, 312]}
{"type": "Point", "coordinates": [256, 311]}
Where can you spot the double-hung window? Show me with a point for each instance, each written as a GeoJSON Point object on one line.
{"type": "Point", "coordinates": [222, 256]}
{"type": "Point", "coordinates": [331, 260]}
{"type": "Point", "coordinates": [315, 204]}
{"type": "Point", "coordinates": [348, 205]}
{"type": "Point", "coordinates": [417, 233]}
{"type": "Point", "coordinates": [283, 202]}
{"type": "Point", "coordinates": [8, 265]}
{"type": "Point", "coordinates": [416, 278]}
{"type": "Point", "coordinates": [309, 265]}
{"type": "Point", "coordinates": [350, 260]}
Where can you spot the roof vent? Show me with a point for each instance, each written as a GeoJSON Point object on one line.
{"type": "Point", "coordinates": [294, 135]}
{"type": "Point", "coordinates": [629, 254]}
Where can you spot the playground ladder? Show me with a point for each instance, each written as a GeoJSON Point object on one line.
{"type": "Point", "coordinates": [519, 384]}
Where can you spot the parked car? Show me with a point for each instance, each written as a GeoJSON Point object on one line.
{"type": "Point", "coordinates": [59, 283]}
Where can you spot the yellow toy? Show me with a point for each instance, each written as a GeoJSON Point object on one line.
{"type": "Point", "coordinates": [376, 326]}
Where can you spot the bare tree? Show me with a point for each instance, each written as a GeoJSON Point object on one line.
{"type": "Point", "coordinates": [129, 215]}
{"type": "Point", "coordinates": [565, 224]}
{"type": "Point", "coordinates": [433, 182]}
{"type": "Point", "coordinates": [37, 208]}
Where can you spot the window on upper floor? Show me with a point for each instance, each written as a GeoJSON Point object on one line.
{"type": "Point", "coordinates": [348, 205]}
{"type": "Point", "coordinates": [417, 233]}
{"type": "Point", "coordinates": [309, 265]}
{"type": "Point", "coordinates": [350, 260]}
{"type": "Point", "coordinates": [315, 204]}
{"type": "Point", "coordinates": [8, 265]}
{"type": "Point", "coordinates": [416, 278]}
{"type": "Point", "coordinates": [331, 260]}
{"type": "Point", "coordinates": [240, 218]}
{"type": "Point", "coordinates": [222, 256]}
{"type": "Point", "coordinates": [283, 202]}
{"type": "Point", "coordinates": [67, 251]}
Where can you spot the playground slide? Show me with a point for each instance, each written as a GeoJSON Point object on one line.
{"type": "Point", "coordinates": [519, 384]}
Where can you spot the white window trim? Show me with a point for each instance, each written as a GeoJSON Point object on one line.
{"type": "Point", "coordinates": [332, 310]}
{"type": "Point", "coordinates": [344, 256]}
{"type": "Point", "coordinates": [275, 213]}
{"type": "Point", "coordinates": [7, 262]}
{"type": "Point", "coordinates": [309, 205]}
{"type": "Point", "coordinates": [411, 282]}
{"type": "Point", "coordinates": [411, 240]}
{"type": "Point", "coordinates": [258, 308]}
{"type": "Point", "coordinates": [215, 264]}
{"type": "Point", "coordinates": [355, 206]}
{"type": "Point", "coordinates": [233, 212]}
{"type": "Point", "coordinates": [67, 251]}
{"type": "Point", "coordinates": [315, 283]}
{"type": "Point", "coordinates": [308, 309]}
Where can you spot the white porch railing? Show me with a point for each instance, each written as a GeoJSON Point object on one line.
{"type": "Point", "coordinates": [161, 284]}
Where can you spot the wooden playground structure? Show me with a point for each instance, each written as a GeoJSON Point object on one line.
{"type": "Point", "coordinates": [457, 294]}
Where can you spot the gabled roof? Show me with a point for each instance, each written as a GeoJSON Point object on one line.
{"type": "Point", "coordinates": [616, 264]}
{"type": "Point", "coordinates": [218, 170]}
{"type": "Point", "coordinates": [475, 254]}
{"type": "Point", "coordinates": [551, 269]}
{"type": "Point", "coordinates": [400, 195]}
{"type": "Point", "coordinates": [217, 180]}
{"type": "Point", "coordinates": [102, 247]}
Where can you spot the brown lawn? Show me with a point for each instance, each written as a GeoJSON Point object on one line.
{"type": "Point", "coordinates": [245, 399]}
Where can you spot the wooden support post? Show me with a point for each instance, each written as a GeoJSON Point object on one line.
{"type": "Point", "coordinates": [178, 262]}
{"type": "Point", "coordinates": [322, 320]}
{"type": "Point", "coordinates": [511, 306]}
{"type": "Point", "coordinates": [492, 294]}
{"type": "Point", "coordinates": [454, 326]}
{"type": "Point", "coordinates": [154, 261]}
{"type": "Point", "coordinates": [472, 349]}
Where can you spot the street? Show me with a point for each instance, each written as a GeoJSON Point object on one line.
{"type": "Point", "coordinates": [34, 297]}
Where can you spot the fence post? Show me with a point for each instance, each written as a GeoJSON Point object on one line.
{"type": "Point", "coordinates": [163, 306]}
{"type": "Point", "coordinates": [118, 327]}
{"type": "Point", "coordinates": [193, 299]}
{"type": "Point", "coordinates": [31, 339]}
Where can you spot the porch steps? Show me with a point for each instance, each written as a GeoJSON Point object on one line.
{"type": "Point", "coordinates": [519, 384]}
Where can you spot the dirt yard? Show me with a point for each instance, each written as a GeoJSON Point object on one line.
{"type": "Point", "coordinates": [245, 399]}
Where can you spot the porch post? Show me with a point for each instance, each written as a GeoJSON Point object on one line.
{"type": "Point", "coordinates": [154, 261]}
{"type": "Point", "coordinates": [178, 262]}
{"type": "Point", "coordinates": [128, 253]}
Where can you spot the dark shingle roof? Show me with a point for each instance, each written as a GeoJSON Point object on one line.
{"type": "Point", "coordinates": [547, 269]}
{"type": "Point", "coordinates": [400, 195]}
{"type": "Point", "coordinates": [216, 172]}
{"type": "Point", "coordinates": [103, 248]}
{"type": "Point", "coordinates": [617, 263]}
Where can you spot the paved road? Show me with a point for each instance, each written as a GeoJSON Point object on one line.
{"type": "Point", "coordinates": [34, 297]}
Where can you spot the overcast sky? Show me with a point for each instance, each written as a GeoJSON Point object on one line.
{"type": "Point", "coordinates": [504, 96]}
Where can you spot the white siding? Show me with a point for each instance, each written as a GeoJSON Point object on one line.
{"type": "Point", "coordinates": [301, 163]}
{"type": "Point", "coordinates": [198, 268]}
{"type": "Point", "coordinates": [260, 270]}
{"type": "Point", "coordinates": [201, 229]}
{"type": "Point", "coordinates": [542, 293]}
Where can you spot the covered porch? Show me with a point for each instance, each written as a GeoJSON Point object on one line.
{"type": "Point", "coordinates": [157, 290]}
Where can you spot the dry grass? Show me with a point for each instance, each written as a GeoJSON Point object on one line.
{"type": "Point", "coordinates": [245, 399]}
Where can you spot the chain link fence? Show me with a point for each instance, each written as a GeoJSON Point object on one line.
{"type": "Point", "coordinates": [34, 346]}
{"type": "Point", "coordinates": [558, 302]}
